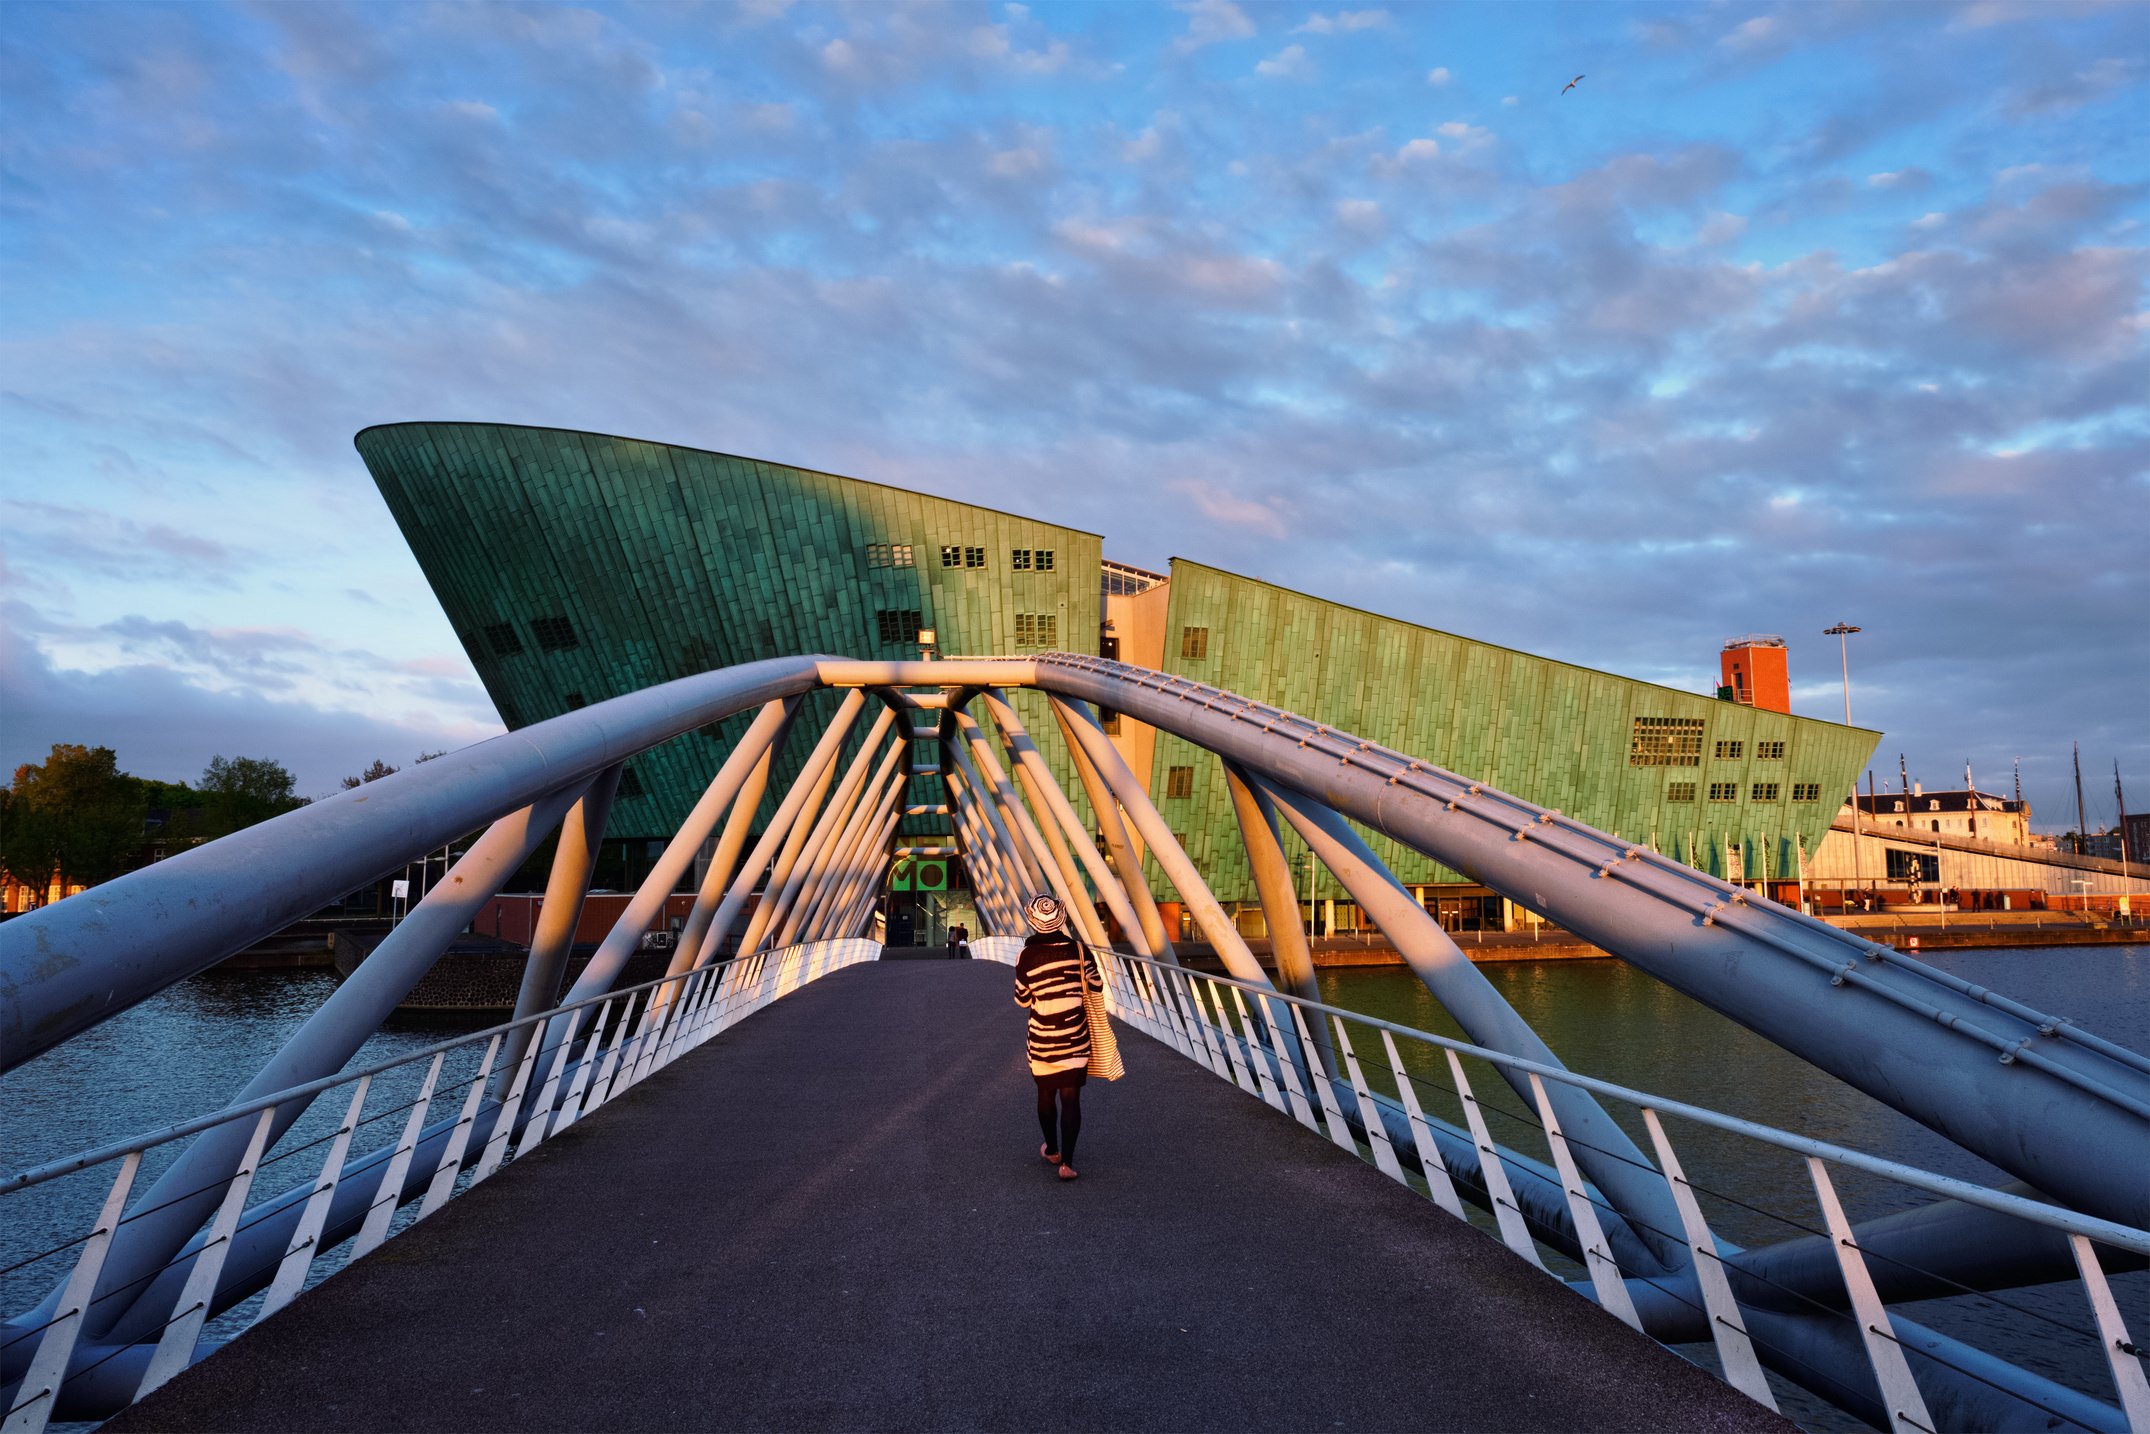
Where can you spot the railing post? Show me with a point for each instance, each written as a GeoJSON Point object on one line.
{"type": "Point", "coordinates": [39, 1393]}
{"type": "Point", "coordinates": [1605, 1276]}
{"type": "Point", "coordinates": [306, 1235]}
{"type": "Point", "coordinates": [1899, 1391]}
{"type": "Point", "coordinates": [1377, 1135]}
{"type": "Point", "coordinates": [389, 1194]}
{"type": "Point", "coordinates": [2121, 1355]}
{"type": "Point", "coordinates": [1506, 1213]}
{"type": "Point", "coordinates": [1735, 1350]}
{"type": "Point", "coordinates": [451, 1160]}
{"type": "Point", "coordinates": [1325, 1091]}
{"type": "Point", "coordinates": [1439, 1188]}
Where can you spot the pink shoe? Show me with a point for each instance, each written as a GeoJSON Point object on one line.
{"type": "Point", "coordinates": [1067, 1172]}
{"type": "Point", "coordinates": [1050, 1158]}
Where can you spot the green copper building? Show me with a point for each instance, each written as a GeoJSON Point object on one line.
{"type": "Point", "coordinates": [578, 566]}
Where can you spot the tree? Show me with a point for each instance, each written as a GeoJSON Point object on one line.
{"type": "Point", "coordinates": [77, 817]}
{"type": "Point", "coordinates": [240, 791]}
{"type": "Point", "coordinates": [374, 773]}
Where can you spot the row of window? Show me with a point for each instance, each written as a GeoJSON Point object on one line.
{"type": "Point", "coordinates": [889, 555]}
{"type": "Point", "coordinates": [553, 634]}
{"type": "Point", "coordinates": [1757, 792]}
{"type": "Point", "coordinates": [1677, 742]}
{"type": "Point", "coordinates": [958, 555]}
{"type": "Point", "coordinates": [900, 625]}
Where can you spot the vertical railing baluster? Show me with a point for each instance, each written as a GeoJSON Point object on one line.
{"type": "Point", "coordinates": [1728, 1331]}
{"type": "Point", "coordinates": [39, 1393]}
{"type": "Point", "coordinates": [592, 1051]}
{"type": "Point", "coordinates": [1260, 1061]}
{"type": "Point", "coordinates": [175, 1347]}
{"type": "Point", "coordinates": [1199, 1009]}
{"type": "Point", "coordinates": [306, 1235]}
{"type": "Point", "coordinates": [389, 1194]}
{"type": "Point", "coordinates": [1324, 1088]}
{"type": "Point", "coordinates": [1605, 1277]}
{"type": "Point", "coordinates": [1439, 1188]}
{"type": "Point", "coordinates": [539, 1124]}
{"type": "Point", "coordinates": [2127, 1366]}
{"type": "Point", "coordinates": [1514, 1233]}
{"type": "Point", "coordinates": [451, 1160]}
{"type": "Point", "coordinates": [601, 1084]}
{"type": "Point", "coordinates": [1899, 1391]}
{"type": "Point", "coordinates": [1286, 1066]}
{"type": "Point", "coordinates": [1241, 1076]}
{"type": "Point", "coordinates": [1377, 1135]}
{"type": "Point", "coordinates": [496, 1146]}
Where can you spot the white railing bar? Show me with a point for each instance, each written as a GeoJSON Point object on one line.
{"type": "Point", "coordinates": [2109, 1232]}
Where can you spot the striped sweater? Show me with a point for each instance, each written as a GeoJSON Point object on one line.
{"type": "Point", "coordinates": [1049, 978]}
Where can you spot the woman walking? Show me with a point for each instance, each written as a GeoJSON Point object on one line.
{"type": "Point", "coordinates": [1050, 977]}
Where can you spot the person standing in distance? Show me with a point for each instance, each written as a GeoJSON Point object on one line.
{"type": "Point", "coordinates": [1050, 977]}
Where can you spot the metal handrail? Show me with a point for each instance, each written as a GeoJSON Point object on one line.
{"type": "Point", "coordinates": [2108, 1232]}
{"type": "Point", "coordinates": [89, 1159]}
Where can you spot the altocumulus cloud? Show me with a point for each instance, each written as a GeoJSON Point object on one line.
{"type": "Point", "coordinates": [1608, 378]}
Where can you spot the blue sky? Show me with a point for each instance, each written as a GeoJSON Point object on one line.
{"type": "Point", "coordinates": [1785, 315]}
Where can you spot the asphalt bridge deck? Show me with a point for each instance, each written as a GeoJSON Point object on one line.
{"type": "Point", "coordinates": [833, 1216]}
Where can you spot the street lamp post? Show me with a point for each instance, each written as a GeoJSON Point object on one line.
{"type": "Point", "coordinates": [1842, 633]}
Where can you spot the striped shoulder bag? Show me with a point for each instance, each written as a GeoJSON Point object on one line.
{"type": "Point", "coordinates": [1105, 1061]}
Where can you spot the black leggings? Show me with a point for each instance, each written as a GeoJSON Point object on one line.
{"type": "Point", "coordinates": [1070, 1119]}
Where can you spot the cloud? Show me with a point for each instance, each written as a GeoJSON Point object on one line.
{"type": "Point", "coordinates": [1910, 180]}
{"type": "Point", "coordinates": [1345, 22]}
{"type": "Point", "coordinates": [1210, 22]}
{"type": "Point", "coordinates": [1437, 76]}
{"type": "Point", "coordinates": [2068, 93]}
{"type": "Point", "coordinates": [1286, 63]}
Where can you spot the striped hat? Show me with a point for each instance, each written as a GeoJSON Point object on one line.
{"type": "Point", "coordinates": [1044, 914]}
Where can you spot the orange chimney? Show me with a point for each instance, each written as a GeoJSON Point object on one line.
{"type": "Point", "coordinates": [1752, 672]}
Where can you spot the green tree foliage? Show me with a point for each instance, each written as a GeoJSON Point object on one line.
{"type": "Point", "coordinates": [77, 815]}
{"type": "Point", "coordinates": [374, 773]}
{"type": "Point", "coordinates": [237, 792]}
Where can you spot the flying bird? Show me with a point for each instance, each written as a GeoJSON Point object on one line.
{"type": "Point", "coordinates": [1572, 84]}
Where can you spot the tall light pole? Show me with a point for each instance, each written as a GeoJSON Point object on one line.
{"type": "Point", "coordinates": [1842, 633]}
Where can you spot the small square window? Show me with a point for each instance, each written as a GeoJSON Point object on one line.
{"type": "Point", "coordinates": [1680, 792]}
{"type": "Point", "coordinates": [1037, 629]}
{"type": "Point", "coordinates": [1179, 781]}
{"type": "Point", "coordinates": [1724, 791]}
{"type": "Point", "coordinates": [897, 625]}
{"type": "Point", "coordinates": [1194, 643]}
{"type": "Point", "coordinates": [1769, 751]}
{"type": "Point", "coordinates": [951, 555]}
{"type": "Point", "coordinates": [1806, 791]}
{"type": "Point", "coordinates": [502, 639]}
{"type": "Point", "coordinates": [1043, 558]}
{"type": "Point", "coordinates": [1019, 559]}
{"type": "Point", "coordinates": [554, 634]}
{"type": "Point", "coordinates": [1763, 792]}
{"type": "Point", "coordinates": [899, 556]}
{"type": "Point", "coordinates": [974, 557]}
{"type": "Point", "coordinates": [1731, 751]}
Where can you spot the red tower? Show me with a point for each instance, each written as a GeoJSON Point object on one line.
{"type": "Point", "coordinates": [1753, 673]}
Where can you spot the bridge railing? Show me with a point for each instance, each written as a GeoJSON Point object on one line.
{"type": "Point", "coordinates": [576, 1058]}
{"type": "Point", "coordinates": [1299, 1057]}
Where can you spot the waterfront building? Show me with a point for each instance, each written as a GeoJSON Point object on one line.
{"type": "Point", "coordinates": [1970, 813]}
{"type": "Point", "coordinates": [577, 567]}
{"type": "Point", "coordinates": [1753, 671]}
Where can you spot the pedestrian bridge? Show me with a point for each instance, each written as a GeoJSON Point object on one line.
{"type": "Point", "coordinates": [788, 1183]}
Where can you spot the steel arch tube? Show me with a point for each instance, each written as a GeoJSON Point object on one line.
{"type": "Point", "coordinates": [2069, 1122]}
{"type": "Point", "coordinates": [65, 967]}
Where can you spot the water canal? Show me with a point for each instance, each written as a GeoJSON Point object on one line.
{"type": "Point", "coordinates": [188, 1049]}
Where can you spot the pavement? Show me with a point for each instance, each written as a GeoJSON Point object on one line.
{"type": "Point", "coordinates": [833, 1216]}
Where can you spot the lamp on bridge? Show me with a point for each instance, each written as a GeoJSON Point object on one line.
{"type": "Point", "coordinates": [927, 646]}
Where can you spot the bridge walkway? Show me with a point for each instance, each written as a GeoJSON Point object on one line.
{"type": "Point", "coordinates": [833, 1216]}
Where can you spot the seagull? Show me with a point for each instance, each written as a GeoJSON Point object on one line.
{"type": "Point", "coordinates": [1572, 84]}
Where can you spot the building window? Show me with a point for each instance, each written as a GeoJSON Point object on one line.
{"type": "Point", "coordinates": [1179, 781]}
{"type": "Point", "coordinates": [1666, 742]}
{"type": "Point", "coordinates": [630, 784]}
{"type": "Point", "coordinates": [896, 555]}
{"type": "Point", "coordinates": [897, 624]}
{"type": "Point", "coordinates": [1731, 751]}
{"type": "Point", "coordinates": [1037, 629]}
{"type": "Point", "coordinates": [1763, 792]}
{"type": "Point", "coordinates": [1680, 792]}
{"type": "Point", "coordinates": [1031, 560]}
{"type": "Point", "coordinates": [974, 557]}
{"type": "Point", "coordinates": [1806, 791]}
{"type": "Point", "coordinates": [1896, 806]}
{"type": "Point", "coordinates": [951, 555]}
{"type": "Point", "coordinates": [1194, 643]}
{"type": "Point", "coordinates": [502, 639]}
{"type": "Point", "coordinates": [1912, 866]}
{"type": "Point", "coordinates": [1044, 557]}
{"type": "Point", "coordinates": [1724, 791]}
{"type": "Point", "coordinates": [1019, 559]}
{"type": "Point", "coordinates": [576, 700]}
{"type": "Point", "coordinates": [554, 634]}
{"type": "Point", "coordinates": [1769, 751]}
{"type": "Point", "coordinates": [1933, 805]}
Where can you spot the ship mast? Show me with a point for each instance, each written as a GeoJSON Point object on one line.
{"type": "Point", "coordinates": [2082, 832]}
